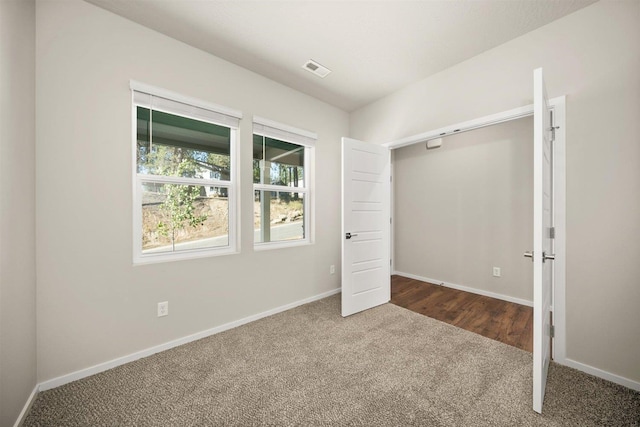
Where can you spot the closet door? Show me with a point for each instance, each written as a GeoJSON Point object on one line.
{"type": "Point", "coordinates": [542, 254]}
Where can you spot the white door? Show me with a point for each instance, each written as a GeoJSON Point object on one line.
{"type": "Point", "coordinates": [542, 244]}
{"type": "Point", "coordinates": [366, 227]}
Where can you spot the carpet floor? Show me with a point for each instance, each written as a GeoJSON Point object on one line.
{"type": "Point", "coordinates": [309, 366]}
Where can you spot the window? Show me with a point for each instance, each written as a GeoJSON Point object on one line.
{"type": "Point", "coordinates": [282, 177]}
{"type": "Point", "coordinates": [184, 176]}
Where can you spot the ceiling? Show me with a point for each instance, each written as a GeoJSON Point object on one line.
{"type": "Point", "coordinates": [372, 47]}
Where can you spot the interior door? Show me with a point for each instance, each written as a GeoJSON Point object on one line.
{"type": "Point", "coordinates": [366, 200]}
{"type": "Point", "coordinates": [542, 245]}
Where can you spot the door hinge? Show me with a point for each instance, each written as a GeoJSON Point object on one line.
{"type": "Point", "coordinates": [552, 232]}
{"type": "Point", "coordinates": [553, 125]}
{"type": "Point", "coordinates": [390, 220]}
{"type": "Point", "coordinates": [390, 262]}
{"type": "Point", "coordinates": [552, 331]}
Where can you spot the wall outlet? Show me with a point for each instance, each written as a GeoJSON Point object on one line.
{"type": "Point", "coordinates": [332, 269]}
{"type": "Point", "coordinates": [163, 308]}
{"type": "Point", "coordinates": [496, 271]}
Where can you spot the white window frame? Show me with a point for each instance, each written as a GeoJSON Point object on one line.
{"type": "Point", "coordinates": [282, 132]}
{"type": "Point", "coordinates": [169, 102]}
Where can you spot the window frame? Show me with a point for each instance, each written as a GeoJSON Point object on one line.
{"type": "Point", "coordinates": [232, 185]}
{"type": "Point", "coordinates": [281, 132]}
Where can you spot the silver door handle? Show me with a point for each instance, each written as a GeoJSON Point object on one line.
{"type": "Point", "coordinates": [349, 235]}
{"type": "Point", "coordinates": [544, 256]}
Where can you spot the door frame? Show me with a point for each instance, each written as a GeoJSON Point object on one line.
{"type": "Point", "coordinates": [558, 105]}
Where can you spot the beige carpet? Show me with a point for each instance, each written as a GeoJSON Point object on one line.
{"type": "Point", "coordinates": [309, 366]}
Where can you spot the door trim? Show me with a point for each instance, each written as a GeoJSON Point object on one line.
{"type": "Point", "coordinates": [480, 122]}
{"type": "Point", "coordinates": [558, 105]}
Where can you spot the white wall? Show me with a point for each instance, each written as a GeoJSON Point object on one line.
{"type": "Point", "coordinates": [593, 56]}
{"type": "Point", "coordinates": [93, 305]}
{"type": "Point", "coordinates": [17, 207]}
{"type": "Point", "coordinates": [466, 207]}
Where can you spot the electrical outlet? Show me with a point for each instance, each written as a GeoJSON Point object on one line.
{"type": "Point", "coordinates": [163, 308]}
{"type": "Point", "coordinates": [332, 269]}
{"type": "Point", "coordinates": [496, 271]}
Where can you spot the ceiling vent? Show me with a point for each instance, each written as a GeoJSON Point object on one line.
{"type": "Point", "coordinates": [315, 68]}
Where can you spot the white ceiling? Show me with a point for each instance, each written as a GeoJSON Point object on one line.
{"type": "Point", "coordinates": [372, 47]}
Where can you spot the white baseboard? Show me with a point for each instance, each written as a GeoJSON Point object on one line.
{"type": "Point", "coordinates": [466, 289]}
{"type": "Point", "coordinates": [27, 406]}
{"type": "Point", "coordinates": [64, 379]}
{"type": "Point", "coordinates": [633, 385]}
{"type": "Point", "coordinates": [83, 373]}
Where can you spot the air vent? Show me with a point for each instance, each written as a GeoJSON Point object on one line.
{"type": "Point", "coordinates": [315, 68]}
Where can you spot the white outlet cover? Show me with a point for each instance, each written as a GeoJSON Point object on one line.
{"type": "Point", "coordinates": [496, 271]}
{"type": "Point", "coordinates": [163, 308]}
{"type": "Point", "coordinates": [332, 269]}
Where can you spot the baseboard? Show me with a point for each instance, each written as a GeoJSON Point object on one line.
{"type": "Point", "coordinates": [633, 385]}
{"type": "Point", "coordinates": [466, 289]}
{"type": "Point", "coordinates": [83, 373]}
{"type": "Point", "coordinates": [27, 406]}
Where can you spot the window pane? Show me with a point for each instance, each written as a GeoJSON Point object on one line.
{"type": "Point", "coordinates": [178, 217]}
{"type": "Point", "coordinates": [278, 216]}
{"type": "Point", "coordinates": [258, 156]}
{"type": "Point", "coordinates": [171, 145]}
{"type": "Point", "coordinates": [277, 162]}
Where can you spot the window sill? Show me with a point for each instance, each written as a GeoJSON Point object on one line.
{"type": "Point", "coordinates": [182, 256]}
{"type": "Point", "coordinates": [280, 245]}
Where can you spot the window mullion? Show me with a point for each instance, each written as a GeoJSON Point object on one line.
{"type": "Point", "coordinates": [279, 188]}
{"type": "Point", "coordinates": [184, 180]}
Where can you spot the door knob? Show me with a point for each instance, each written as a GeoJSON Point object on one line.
{"type": "Point", "coordinates": [349, 235]}
{"type": "Point", "coordinates": [546, 257]}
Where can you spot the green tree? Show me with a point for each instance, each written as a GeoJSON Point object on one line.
{"type": "Point", "coordinates": [179, 210]}
{"type": "Point", "coordinates": [218, 163]}
{"type": "Point", "coordinates": [178, 205]}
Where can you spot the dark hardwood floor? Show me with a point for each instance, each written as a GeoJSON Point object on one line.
{"type": "Point", "coordinates": [500, 320]}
